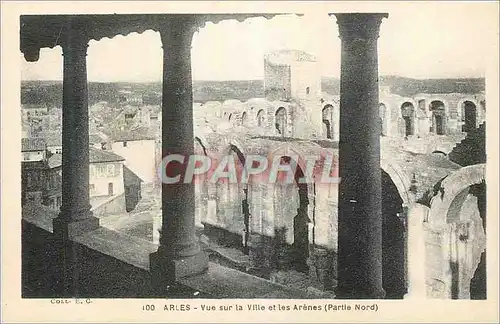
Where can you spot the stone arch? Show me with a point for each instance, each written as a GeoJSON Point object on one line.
{"type": "Point", "coordinates": [470, 115]}
{"type": "Point", "coordinates": [401, 181]}
{"type": "Point", "coordinates": [233, 202]}
{"type": "Point", "coordinates": [438, 110]}
{"type": "Point", "coordinates": [293, 234]}
{"type": "Point", "coordinates": [452, 186]}
{"type": "Point", "coordinates": [457, 212]}
{"type": "Point", "coordinates": [244, 118]}
{"type": "Point", "coordinates": [281, 120]}
{"type": "Point", "coordinates": [328, 121]}
{"type": "Point", "coordinates": [408, 116]}
{"type": "Point", "coordinates": [261, 118]}
{"type": "Point", "coordinates": [385, 118]}
{"type": "Point", "coordinates": [393, 239]}
{"type": "Point", "coordinates": [203, 142]}
{"type": "Point", "coordinates": [439, 153]}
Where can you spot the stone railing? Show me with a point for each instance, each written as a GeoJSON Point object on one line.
{"type": "Point", "coordinates": [114, 265]}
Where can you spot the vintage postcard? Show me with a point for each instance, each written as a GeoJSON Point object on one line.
{"type": "Point", "coordinates": [239, 161]}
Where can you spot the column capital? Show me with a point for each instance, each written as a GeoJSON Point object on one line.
{"type": "Point", "coordinates": [359, 25]}
{"type": "Point", "coordinates": [74, 41]}
{"type": "Point", "coordinates": [177, 27]}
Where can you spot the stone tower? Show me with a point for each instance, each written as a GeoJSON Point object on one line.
{"type": "Point", "coordinates": [293, 76]}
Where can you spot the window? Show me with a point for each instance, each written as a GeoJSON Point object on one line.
{"type": "Point", "coordinates": [308, 90]}
{"type": "Point", "coordinates": [111, 170]}
{"type": "Point", "coordinates": [110, 189]}
{"type": "Point", "coordinates": [58, 151]}
{"type": "Point", "coordinates": [124, 144]}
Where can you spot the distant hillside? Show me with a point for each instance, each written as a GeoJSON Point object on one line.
{"type": "Point", "coordinates": [408, 87]}
{"type": "Point", "coordinates": [50, 92]}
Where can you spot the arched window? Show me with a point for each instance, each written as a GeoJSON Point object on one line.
{"type": "Point", "coordinates": [438, 117]}
{"type": "Point", "coordinates": [281, 121]}
{"type": "Point", "coordinates": [327, 121]}
{"type": "Point", "coordinates": [469, 116]}
{"type": "Point", "coordinates": [244, 119]}
{"type": "Point", "coordinates": [408, 114]}
{"type": "Point", "coordinates": [260, 118]}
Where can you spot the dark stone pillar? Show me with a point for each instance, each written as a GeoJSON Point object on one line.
{"type": "Point", "coordinates": [179, 253]}
{"type": "Point", "coordinates": [75, 217]}
{"type": "Point", "coordinates": [360, 203]}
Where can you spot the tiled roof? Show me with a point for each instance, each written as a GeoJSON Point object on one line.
{"type": "Point", "coordinates": [96, 156]}
{"type": "Point", "coordinates": [131, 134]}
{"type": "Point", "coordinates": [55, 161]}
{"type": "Point", "coordinates": [33, 144]}
{"type": "Point", "coordinates": [100, 156]}
{"type": "Point", "coordinates": [97, 138]}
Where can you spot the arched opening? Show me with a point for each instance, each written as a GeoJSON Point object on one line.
{"type": "Point", "coordinates": [468, 204]}
{"type": "Point", "coordinates": [292, 221]}
{"type": "Point", "coordinates": [382, 111]}
{"type": "Point", "coordinates": [438, 125]}
{"type": "Point", "coordinates": [478, 281]}
{"type": "Point", "coordinates": [260, 118]}
{"type": "Point", "coordinates": [239, 197]}
{"type": "Point", "coordinates": [408, 114]}
{"type": "Point", "coordinates": [328, 121]}
{"type": "Point", "coordinates": [439, 153]}
{"type": "Point", "coordinates": [232, 210]}
{"type": "Point", "coordinates": [244, 118]}
{"type": "Point", "coordinates": [469, 116]}
{"type": "Point", "coordinates": [308, 90]}
{"type": "Point", "coordinates": [281, 121]}
{"type": "Point", "coordinates": [393, 240]}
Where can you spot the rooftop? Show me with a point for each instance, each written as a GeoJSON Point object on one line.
{"type": "Point", "coordinates": [33, 144]}
{"type": "Point", "coordinates": [101, 156]}
{"type": "Point", "coordinates": [130, 134]}
{"type": "Point", "coordinates": [96, 156]}
{"type": "Point", "coordinates": [54, 161]}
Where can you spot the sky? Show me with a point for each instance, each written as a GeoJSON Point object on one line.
{"type": "Point", "coordinates": [445, 42]}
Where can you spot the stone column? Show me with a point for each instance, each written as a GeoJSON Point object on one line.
{"type": "Point", "coordinates": [360, 204]}
{"type": "Point", "coordinates": [179, 253]}
{"type": "Point", "coordinates": [75, 217]}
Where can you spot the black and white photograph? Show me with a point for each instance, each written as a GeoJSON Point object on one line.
{"type": "Point", "coordinates": [311, 160]}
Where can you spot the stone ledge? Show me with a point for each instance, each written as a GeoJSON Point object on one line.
{"type": "Point", "coordinates": [218, 281]}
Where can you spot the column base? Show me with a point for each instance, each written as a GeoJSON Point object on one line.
{"type": "Point", "coordinates": [166, 271]}
{"type": "Point", "coordinates": [72, 228]}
